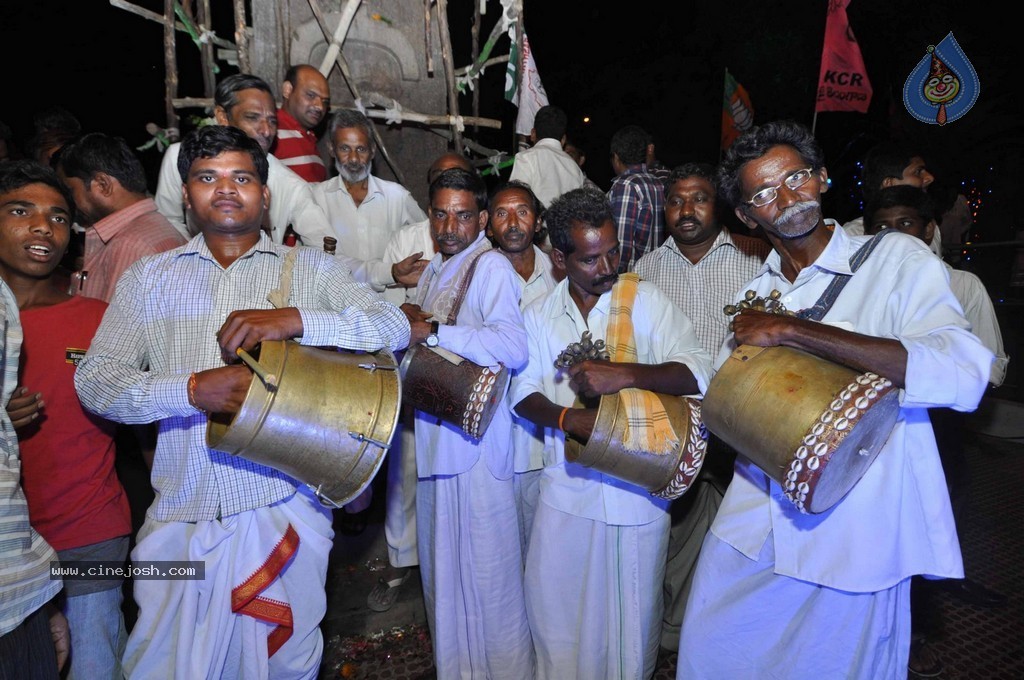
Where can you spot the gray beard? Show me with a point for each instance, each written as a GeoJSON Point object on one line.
{"type": "Point", "coordinates": [352, 177]}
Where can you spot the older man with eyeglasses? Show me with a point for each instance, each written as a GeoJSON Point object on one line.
{"type": "Point", "coordinates": [778, 593]}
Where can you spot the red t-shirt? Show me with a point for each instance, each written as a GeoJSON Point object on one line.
{"type": "Point", "coordinates": [67, 454]}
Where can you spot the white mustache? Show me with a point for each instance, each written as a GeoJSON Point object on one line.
{"type": "Point", "coordinates": [796, 210]}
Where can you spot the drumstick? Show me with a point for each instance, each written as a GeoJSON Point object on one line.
{"type": "Point", "coordinates": [269, 379]}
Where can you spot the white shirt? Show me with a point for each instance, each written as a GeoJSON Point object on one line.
{"type": "Point", "coordinates": [291, 202]}
{"type": "Point", "coordinates": [703, 290]}
{"type": "Point", "coordinates": [487, 331]}
{"type": "Point", "coordinates": [363, 231]}
{"type": "Point", "coordinates": [548, 170]}
{"type": "Point", "coordinates": [161, 326]}
{"type": "Point", "coordinates": [896, 521]}
{"type": "Point", "coordinates": [527, 437]}
{"type": "Point", "coordinates": [409, 240]}
{"type": "Point", "coordinates": [663, 333]}
{"type": "Point", "coordinates": [974, 298]}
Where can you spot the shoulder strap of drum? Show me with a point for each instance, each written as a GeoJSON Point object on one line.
{"type": "Point", "coordinates": [463, 288]}
{"type": "Point", "coordinates": [280, 295]}
{"type": "Point", "coordinates": [820, 308]}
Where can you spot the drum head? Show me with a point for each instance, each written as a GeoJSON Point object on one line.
{"type": "Point", "coordinates": [852, 457]}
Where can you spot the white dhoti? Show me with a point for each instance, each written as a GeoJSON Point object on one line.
{"type": "Point", "coordinates": [472, 573]}
{"type": "Point", "coordinates": [745, 621]}
{"type": "Point", "coordinates": [527, 490]}
{"type": "Point", "coordinates": [594, 597]}
{"type": "Point", "coordinates": [400, 497]}
{"type": "Point", "coordinates": [257, 612]}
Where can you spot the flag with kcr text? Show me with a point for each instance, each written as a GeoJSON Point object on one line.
{"type": "Point", "coordinates": [843, 83]}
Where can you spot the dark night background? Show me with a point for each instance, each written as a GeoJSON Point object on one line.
{"type": "Point", "coordinates": [660, 65]}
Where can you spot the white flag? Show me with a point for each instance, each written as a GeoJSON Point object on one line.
{"type": "Point", "coordinates": [526, 91]}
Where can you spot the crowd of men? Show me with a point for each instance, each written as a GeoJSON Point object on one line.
{"type": "Point", "coordinates": [531, 565]}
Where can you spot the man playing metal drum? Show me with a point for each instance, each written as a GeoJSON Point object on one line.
{"type": "Point", "coordinates": [166, 352]}
{"type": "Point", "coordinates": [596, 558]}
{"type": "Point", "coordinates": [781, 593]}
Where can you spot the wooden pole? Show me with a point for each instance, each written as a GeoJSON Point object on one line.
{"type": "Point", "coordinates": [159, 18]}
{"type": "Point", "coordinates": [242, 37]}
{"type": "Point", "coordinates": [427, 35]}
{"type": "Point", "coordinates": [449, 70]}
{"type": "Point", "coordinates": [170, 64]}
{"type": "Point", "coordinates": [348, 13]}
{"type": "Point", "coordinates": [475, 33]}
{"type": "Point", "coordinates": [206, 55]}
{"type": "Point", "coordinates": [520, 32]}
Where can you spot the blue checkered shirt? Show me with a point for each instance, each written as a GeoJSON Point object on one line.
{"type": "Point", "coordinates": [165, 316]}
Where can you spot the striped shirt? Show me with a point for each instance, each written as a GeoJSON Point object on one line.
{"type": "Point", "coordinates": [296, 148]}
{"type": "Point", "coordinates": [702, 290]}
{"type": "Point", "coordinates": [165, 316]}
{"type": "Point", "coordinates": [118, 240]}
{"type": "Point", "coordinates": [25, 557]}
{"type": "Point", "coordinates": [638, 206]}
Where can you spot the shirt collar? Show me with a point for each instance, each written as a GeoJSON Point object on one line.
{"type": "Point", "coordinates": [197, 246]}
{"type": "Point", "coordinates": [724, 238]}
{"type": "Point", "coordinates": [111, 225]}
{"type": "Point", "coordinates": [835, 258]}
{"type": "Point", "coordinates": [291, 123]}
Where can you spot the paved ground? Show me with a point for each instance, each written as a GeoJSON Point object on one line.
{"type": "Point", "coordinates": [973, 642]}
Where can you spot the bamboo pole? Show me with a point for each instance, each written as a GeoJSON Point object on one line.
{"type": "Point", "coordinates": [520, 30]}
{"type": "Point", "coordinates": [346, 75]}
{"type": "Point", "coordinates": [377, 114]}
{"type": "Point", "coordinates": [449, 70]}
{"type": "Point", "coordinates": [206, 55]}
{"type": "Point", "coordinates": [348, 13]}
{"type": "Point", "coordinates": [475, 33]}
{"type": "Point", "coordinates": [242, 37]}
{"type": "Point", "coordinates": [476, 68]}
{"type": "Point", "coordinates": [170, 65]}
{"type": "Point", "coordinates": [158, 18]}
{"type": "Point", "coordinates": [427, 37]}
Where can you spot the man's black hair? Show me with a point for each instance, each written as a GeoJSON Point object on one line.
{"type": "Point", "coordinates": [705, 171]}
{"type": "Point", "coordinates": [550, 123]}
{"type": "Point", "coordinates": [226, 94]}
{"type": "Point", "coordinates": [582, 208]}
{"type": "Point", "coordinates": [538, 207]}
{"type": "Point", "coordinates": [16, 174]}
{"type": "Point", "coordinates": [98, 152]}
{"type": "Point", "coordinates": [210, 141]}
{"type": "Point", "coordinates": [884, 161]}
{"type": "Point", "coordinates": [755, 143]}
{"type": "Point", "coordinates": [630, 144]}
{"type": "Point", "coordinates": [899, 195]}
{"type": "Point", "coordinates": [458, 179]}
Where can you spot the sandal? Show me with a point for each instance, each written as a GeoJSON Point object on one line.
{"type": "Point", "coordinates": [384, 594]}
{"type": "Point", "coordinates": [924, 661]}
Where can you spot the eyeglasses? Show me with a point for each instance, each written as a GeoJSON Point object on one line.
{"type": "Point", "coordinates": [794, 181]}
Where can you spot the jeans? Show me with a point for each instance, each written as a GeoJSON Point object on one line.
{"type": "Point", "coordinates": [98, 635]}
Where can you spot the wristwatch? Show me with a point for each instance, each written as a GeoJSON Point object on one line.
{"type": "Point", "coordinates": [432, 339]}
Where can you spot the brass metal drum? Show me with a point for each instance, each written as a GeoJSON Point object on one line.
{"type": "Point", "coordinates": [453, 388]}
{"type": "Point", "coordinates": [329, 422]}
{"type": "Point", "coordinates": [664, 475]}
{"type": "Point", "coordinates": [811, 425]}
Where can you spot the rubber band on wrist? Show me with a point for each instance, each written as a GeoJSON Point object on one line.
{"type": "Point", "coordinates": [561, 419]}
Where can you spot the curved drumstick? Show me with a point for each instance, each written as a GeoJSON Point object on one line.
{"type": "Point", "coordinates": [269, 379]}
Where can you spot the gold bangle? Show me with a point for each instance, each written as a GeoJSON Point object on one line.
{"type": "Point", "coordinates": [192, 382]}
{"type": "Point", "coordinates": [561, 418]}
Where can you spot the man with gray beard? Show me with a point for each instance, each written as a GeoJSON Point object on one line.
{"type": "Point", "coordinates": [771, 579]}
{"type": "Point", "coordinates": [365, 211]}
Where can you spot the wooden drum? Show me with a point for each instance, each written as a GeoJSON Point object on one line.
{"type": "Point", "coordinates": [811, 425]}
{"type": "Point", "coordinates": [453, 388]}
{"type": "Point", "coordinates": [663, 475]}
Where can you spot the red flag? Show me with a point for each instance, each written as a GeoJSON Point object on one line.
{"type": "Point", "coordinates": [843, 81]}
{"type": "Point", "coordinates": [737, 111]}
